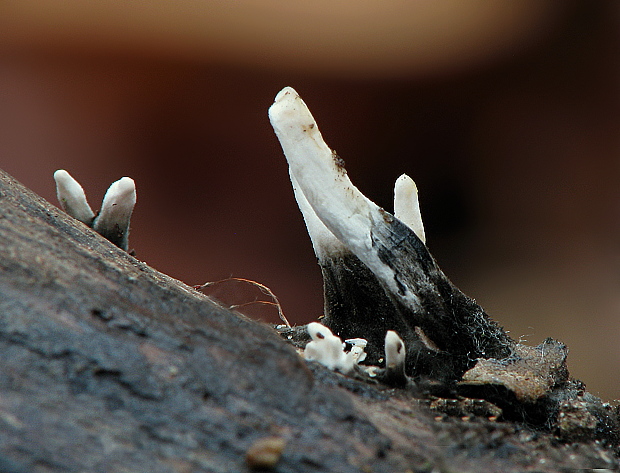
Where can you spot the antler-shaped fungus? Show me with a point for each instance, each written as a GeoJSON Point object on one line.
{"type": "Point", "coordinates": [379, 279]}
{"type": "Point", "coordinates": [378, 273]}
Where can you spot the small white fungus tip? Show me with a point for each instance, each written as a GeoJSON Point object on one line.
{"type": "Point", "coordinates": [328, 349]}
{"type": "Point", "coordinates": [357, 342]}
{"type": "Point", "coordinates": [72, 198]}
{"type": "Point", "coordinates": [407, 205]}
{"type": "Point", "coordinates": [121, 194]}
{"type": "Point", "coordinates": [286, 92]}
{"type": "Point", "coordinates": [115, 214]}
{"type": "Point", "coordinates": [395, 352]}
{"type": "Point", "coordinates": [61, 175]}
{"type": "Point", "coordinates": [318, 331]}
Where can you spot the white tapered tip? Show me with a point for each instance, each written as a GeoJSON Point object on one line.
{"type": "Point", "coordinates": [72, 197]}
{"type": "Point", "coordinates": [286, 91]}
{"type": "Point", "coordinates": [318, 331]}
{"type": "Point", "coordinates": [115, 215]}
{"type": "Point", "coordinates": [394, 350]}
{"type": "Point", "coordinates": [124, 189]}
{"type": "Point", "coordinates": [317, 172]}
{"type": "Point", "coordinates": [120, 199]}
{"type": "Point", "coordinates": [291, 120]}
{"type": "Point", "coordinates": [407, 206]}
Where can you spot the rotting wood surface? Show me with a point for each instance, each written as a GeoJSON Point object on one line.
{"type": "Point", "coordinates": [107, 365]}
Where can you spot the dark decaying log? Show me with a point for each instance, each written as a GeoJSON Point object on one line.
{"type": "Point", "coordinates": [109, 366]}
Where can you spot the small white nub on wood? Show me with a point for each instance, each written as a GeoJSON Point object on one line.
{"type": "Point", "coordinates": [328, 349]}
{"type": "Point", "coordinates": [394, 351]}
{"type": "Point", "coordinates": [72, 198]}
{"type": "Point", "coordinates": [357, 342]}
{"type": "Point", "coordinates": [357, 350]}
{"type": "Point", "coordinates": [325, 347]}
{"type": "Point", "coordinates": [407, 206]}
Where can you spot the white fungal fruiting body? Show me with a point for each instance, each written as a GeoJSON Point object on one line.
{"type": "Point", "coordinates": [328, 349]}
{"type": "Point", "coordinates": [72, 197]}
{"type": "Point", "coordinates": [407, 206]}
{"type": "Point", "coordinates": [310, 159]}
{"type": "Point", "coordinates": [117, 206]}
{"type": "Point", "coordinates": [395, 355]}
{"type": "Point", "coordinates": [113, 219]}
{"type": "Point", "coordinates": [395, 352]}
{"type": "Point", "coordinates": [321, 177]}
{"type": "Point", "coordinates": [357, 349]}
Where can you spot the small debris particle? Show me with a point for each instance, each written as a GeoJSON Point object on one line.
{"type": "Point", "coordinates": [265, 453]}
{"type": "Point", "coordinates": [466, 408]}
{"type": "Point", "coordinates": [101, 314]}
{"type": "Point", "coordinates": [338, 160]}
{"type": "Point", "coordinates": [387, 217]}
{"type": "Point", "coordinates": [574, 421]}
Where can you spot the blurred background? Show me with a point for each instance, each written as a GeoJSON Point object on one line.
{"type": "Point", "coordinates": [507, 115]}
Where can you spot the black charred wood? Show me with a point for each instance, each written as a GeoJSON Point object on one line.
{"type": "Point", "coordinates": [357, 304]}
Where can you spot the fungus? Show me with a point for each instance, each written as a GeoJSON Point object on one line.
{"type": "Point", "coordinates": [115, 214]}
{"type": "Point", "coordinates": [378, 274]}
{"type": "Point", "coordinates": [113, 219]}
{"type": "Point", "coordinates": [395, 354]}
{"type": "Point", "coordinates": [328, 349]}
{"type": "Point", "coordinates": [72, 197]}
{"type": "Point", "coordinates": [358, 345]}
{"type": "Point", "coordinates": [322, 179]}
{"type": "Point", "coordinates": [380, 277]}
{"type": "Point", "coordinates": [407, 206]}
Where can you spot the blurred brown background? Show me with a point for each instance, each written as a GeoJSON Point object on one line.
{"type": "Point", "coordinates": [507, 115]}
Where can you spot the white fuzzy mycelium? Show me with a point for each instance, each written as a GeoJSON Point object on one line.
{"type": "Point", "coordinates": [328, 349]}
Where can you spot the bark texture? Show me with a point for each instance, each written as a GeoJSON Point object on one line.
{"type": "Point", "coordinates": [107, 365]}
